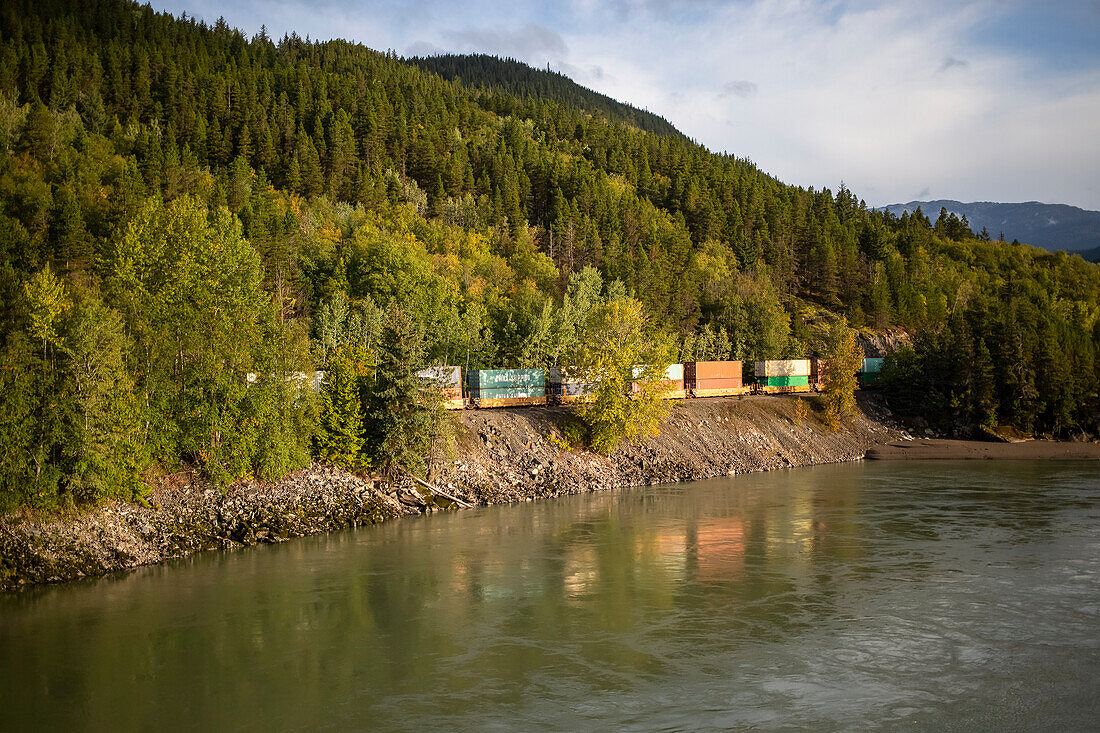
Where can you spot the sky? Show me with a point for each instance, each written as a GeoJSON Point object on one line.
{"type": "Point", "coordinates": [988, 100]}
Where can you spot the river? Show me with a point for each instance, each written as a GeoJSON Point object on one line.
{"type": "Point", "coordinates": [931, 596]}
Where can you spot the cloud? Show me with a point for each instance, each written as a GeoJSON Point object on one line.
{"type": "Point", "coordinates": [423, 48]}
{"type": "Point", "coordinates": [852, 91]}
{"type": "Point", "coordinates": [585, 75]}
{"type": "Point", "coordinates": [532, 41]}
{"type": "Point", "coordinates": [951, 62]}
{"type": "Point", "coordinates": [742, 89]}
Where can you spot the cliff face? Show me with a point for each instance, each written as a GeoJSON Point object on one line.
{"type": "Point", "coordinates": [498, 456]}
{"type": "Point", "coordinates": [885, 343]}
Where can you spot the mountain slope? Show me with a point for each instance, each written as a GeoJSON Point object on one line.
{"type": "Point", "coordinates": [1050, 226]}
{"type": "Point", "coordinates": [521, 80]}
{"type": "Point", "coordinates": [1091, 255]}
{"type": "Point", "coordinates": [182, 206]}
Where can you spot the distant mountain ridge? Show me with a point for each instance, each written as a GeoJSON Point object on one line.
{"type": "Point", "coordinates": [521, 80]}
{"type": "Point", "coordinates": [1050, 226]}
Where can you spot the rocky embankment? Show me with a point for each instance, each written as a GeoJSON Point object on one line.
{"type": "Point", "coordinates": [499, 456]}
{"type": "Point", "coordinates": [510, 455]}
{"type": "Point", "coordinates": [187, 516]}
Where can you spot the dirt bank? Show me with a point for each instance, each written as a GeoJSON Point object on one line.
{"type": "Point", "coordinates": [499, 456]}
{"type": "Point", "coordinates": [507, 455]}
{"type": "Point", "coordinates": [956, 450]}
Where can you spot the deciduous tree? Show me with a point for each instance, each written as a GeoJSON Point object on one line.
{"type": "Point", "coordinates": [619, 348]}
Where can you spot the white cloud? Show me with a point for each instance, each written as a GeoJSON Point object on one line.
{"type": "Point", "coordinates": [859, 96]}
{"type": "Point", "coordinates": [741, 88]}
{"type": "Point", "coordinates": [423, 48]}
{"type": "Point", "coordinates": [532, 41]}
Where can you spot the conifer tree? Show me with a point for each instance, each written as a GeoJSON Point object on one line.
{"type": "Point", "coordinates": [340, 439]}
{"type": "Point", "coordinates": [400, 414]}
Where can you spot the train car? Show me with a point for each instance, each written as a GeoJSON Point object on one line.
{"type": "Point", "coordinates": [506, 387]}
{"type": "Point", "coordinates": [713, 378]}
{"type": "Point", "coordinates": [565, 389]}
{"type": "Point", "coordinates": [313, 381]}
{"type": "Point", "coordinates": [817, 374]}
{"type": "Point", "coordinates": [869, 372]}
{"type": "Point", "coordinates": [783, 375]}
{"type": "Point", "coordinates": [447, 379]}
{"type": "Point", "coordinates": [673, 381]}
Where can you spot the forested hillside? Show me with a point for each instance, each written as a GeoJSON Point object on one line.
{"type": "Point", "coordinates": [520, 80]}
{"type": "Point", "coordinates": [182, 207]}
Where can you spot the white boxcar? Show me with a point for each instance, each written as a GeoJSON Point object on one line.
{"type": "Point", "coordinates": [444, 376]}
{"type": "Point", "coordinates": [674, 373]}
{"type": "Point", "coordinates": [783, 368]}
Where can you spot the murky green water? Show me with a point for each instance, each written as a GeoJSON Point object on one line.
{"type": "Point", "coordinates": [888, 596]}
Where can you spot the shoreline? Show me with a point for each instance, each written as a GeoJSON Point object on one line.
{"type": "Point", "coordinates": [500, 456]}
{"type": "Point", "coordinates": [973, 450]}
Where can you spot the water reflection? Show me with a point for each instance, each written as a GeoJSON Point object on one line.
{"type": "Point", "coordinates": [855, 595]}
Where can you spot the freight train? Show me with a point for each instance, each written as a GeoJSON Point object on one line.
{"type": "Point", "coordinates": [487, 388]}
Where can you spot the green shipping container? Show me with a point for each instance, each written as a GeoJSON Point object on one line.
{"type": "Point", "coordinates": [869, 374]}
{"type": "Point", "coordinates": [801, 381]}
{"type": "Point", "coordinates": [506, 378]}
{"type": "Point", "coordinates": [872, 365]}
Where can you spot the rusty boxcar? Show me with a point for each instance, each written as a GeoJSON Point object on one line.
{"type": "Point", "coordinates": [713, 378]}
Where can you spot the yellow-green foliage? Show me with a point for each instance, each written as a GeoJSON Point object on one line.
{"type": "Point", "coordinates": [616, 349]}
{"type": "Point", "coordinates": [843, 360]}
{"type": "Point", "coordinates": [801, 411]}
{"type": "Point", "coordinates": [223, 236]}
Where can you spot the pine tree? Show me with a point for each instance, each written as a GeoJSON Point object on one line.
{"type": "Point", "coordinates": [400, 417]}
{"type": "Point", "coordinates": [340, 439]}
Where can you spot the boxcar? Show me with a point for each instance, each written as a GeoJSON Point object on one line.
{"type": "Point", "coordinates": [817, 374]}
{"type": "Point", "coordinates": [447, 379]}
{"type": "Point", "coordinates": [673, 382]}
{"type": "Point", "coordinates": [783, 375]}
{"type": "Point", "coordinates": [869, 372]}
{"type": "Point", "coordinates": [713, 378]}
{"type": "Point", "coordinates": [565, 388]}
{"type": "Point", "coordinates": [314, 381]}
{"type": "Point", "coordinates": [506, 387]}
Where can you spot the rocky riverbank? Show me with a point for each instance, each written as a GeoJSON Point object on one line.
{"type": "Point", "coordinates": [499, 456]}
{"type": "Point", "coordinates": [186, 516]}
{"type": "Point", "coordinates": [510, 455]}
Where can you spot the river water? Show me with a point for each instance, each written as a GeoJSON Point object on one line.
{"type": "Point", "coordinates": [931, 596]}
